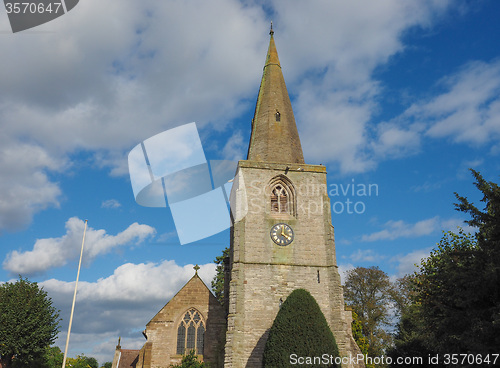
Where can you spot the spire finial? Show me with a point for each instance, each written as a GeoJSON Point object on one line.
{"type": "Point", "coordinates": [271, 32]}
{"type": "Point", "coordinates": [196, 268]}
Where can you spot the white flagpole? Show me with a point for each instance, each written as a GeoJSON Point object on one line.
{"type": "Point", "coordinates": [74, 298]}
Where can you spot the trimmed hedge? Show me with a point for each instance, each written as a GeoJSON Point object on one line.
{"type": "Point", "coordinates": [299, 330]}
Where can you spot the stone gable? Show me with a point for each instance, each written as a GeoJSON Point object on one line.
{"type": "Point", "coordinates": [161, 332]}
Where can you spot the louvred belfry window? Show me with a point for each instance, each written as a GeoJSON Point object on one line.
{"type": "Point", "coordinates": [282, 195]}
{"type": "Point", "coordinates": [191, 333]}
{"type": "Point", "coordinates": [279, 200]}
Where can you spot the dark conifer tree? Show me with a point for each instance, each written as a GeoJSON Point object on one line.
{"type": "Point", "coordinates": [299, 328]}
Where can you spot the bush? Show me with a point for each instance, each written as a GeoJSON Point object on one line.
{"type": "Point", "coordinates": [299, 328]}
{"type": "Point", "coordinates": [190, 361]}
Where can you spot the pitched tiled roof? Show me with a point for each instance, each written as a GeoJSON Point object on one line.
{"type": "Point", "coordinates": [128, 358]}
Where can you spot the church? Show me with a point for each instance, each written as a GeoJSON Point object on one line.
{"type": "Point", "coordinates": [282, 239]}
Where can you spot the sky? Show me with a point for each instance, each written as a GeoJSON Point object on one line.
{"type": "Point", "coordinates": [398, 99]}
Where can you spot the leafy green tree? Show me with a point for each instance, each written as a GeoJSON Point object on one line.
{"type": "Point", "coordinates": [54, 357]}
{"type": "Point", "coordinates": [459, 288]}
{"type": "Point", "coordinates": [487, 260]}
{"type": "Point", "coordinates": [190, 361]}
{"type": "Point", "coordinates": [450, 285]}
{"type": "Point", "coordinates": [91, 362]}
{"type": "Point", "coordinates": [411, 339]}
{"type": "Point", "coordinates": [299, 328]}
{"type": "Point", "coordinates": [82, 361]}
{"type": "Point", "coordinates": [369, 292]}
{"type": "Point", "coordinates": [357, 334]}
{"type": "Point", "coordinates": [28, 324]}
{"type": "Point", "coordinates": [456, 305]}
{"type": "Point", "coordinates": [107, 365]}
{"type": "Point", "coordinates": [403, 293]}
{"type": "Point", "coordinates": [218, 280]}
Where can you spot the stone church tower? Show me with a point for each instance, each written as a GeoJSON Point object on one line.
{"type": "Point", "coordinates": [282, 238]}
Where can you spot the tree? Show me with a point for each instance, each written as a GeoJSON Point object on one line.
{"type": "Point", "coordinates": [411, 339]}
{"type": "Point", "coordinates": [487, 254]}
{"type": "Point", "coordinates": [82, 361]}
{"type": "Point", "coordinates": [451, 295]}
{"type": "Point", "coordinates": [488, 221]}
{"type": "Point", "coordinates": [54, 357]}
{"type": "Point", "coordinates": [403, 293]}
{"type": "Point", "coordinates": [107, 365]}
{"type": "Point", "coordinates": [456, 305]}
{"type": "Point", "coordinates": [357, 334]}
{"type": "Point", "coordinates": [218, 280]}
{"type": "Point", "coordinates": [190, 361]}
{"type": "Point", "coordinates": [299, 328]}
{"type": "Point", "coordinates": [369, 291]}
{"type": "Point", "coordinates": [28, 323]}
{"type": "Point", "coordinates": [459, 282]}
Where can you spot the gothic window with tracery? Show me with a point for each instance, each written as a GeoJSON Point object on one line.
{"type": "Point", "coordinates": [191, 333]}
{"type": "Point", "coordinates": [281, 192]}
{"type": "Point", "coordinates": [279, 200]}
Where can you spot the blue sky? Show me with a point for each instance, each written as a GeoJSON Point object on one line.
{"type": "Point", "coordinates": [400, 95]}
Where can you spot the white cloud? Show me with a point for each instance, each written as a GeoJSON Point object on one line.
{"type": "Point", "coordinates": [131, 282]}
{"type": "Point", "coordinates": [234, 149]}
{"type": "Point", "coordinates": [111, 203]}
{"type": "Point", "coordinates": [427, 186]}
{"type": "Point", "coordinates": [160, 64]}
{"type": "Point", "coordinates": [468, 110]}
{"type": "Point", "coordinates": [400, 229]}
{"type": "Point", "coordinates": [343, 269]}
{"type": "Point", "coordinates": [407, 262]}
{"type": "Point", "coordinates": [367, 255]}
{"type": "Point", "coordinates": [25, 186]}
{"type": "Point", "coordinates": [396, 141]}
{"type": "Point", "coordinates": [134, 72]}
{"type": "Point", "coordinates": [55, 252]}
{"type": "Point", "coordinates": [339, 98]}
{"type": "Point", "coordinates": [120, 304]}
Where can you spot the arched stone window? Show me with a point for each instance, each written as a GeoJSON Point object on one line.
{"type": "Point", "coordinates": [282, 196]}
{"type": "Point", "coordinates": [191, 333]}
{"type": "Point", "coordinates": [279, 200]}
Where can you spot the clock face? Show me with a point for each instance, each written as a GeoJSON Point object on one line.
{"type": "Point", "coordinates": [282, 234]}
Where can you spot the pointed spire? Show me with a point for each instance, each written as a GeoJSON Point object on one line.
{"type": "Point", "coordinates": [272, 53]}
{"type": "Point", "coordinates": [274, 133]}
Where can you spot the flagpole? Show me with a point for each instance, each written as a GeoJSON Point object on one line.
{"type": "Point", "coordinates": [74, 298]}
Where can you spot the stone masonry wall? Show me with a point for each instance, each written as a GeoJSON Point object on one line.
{"type": "Point", "coordinates": [262, 272]}
{"type": "Point", "coordinates": [161, 331]}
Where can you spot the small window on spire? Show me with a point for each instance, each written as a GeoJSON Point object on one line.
{"type": "Point", "coordinates": [278, 115]}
